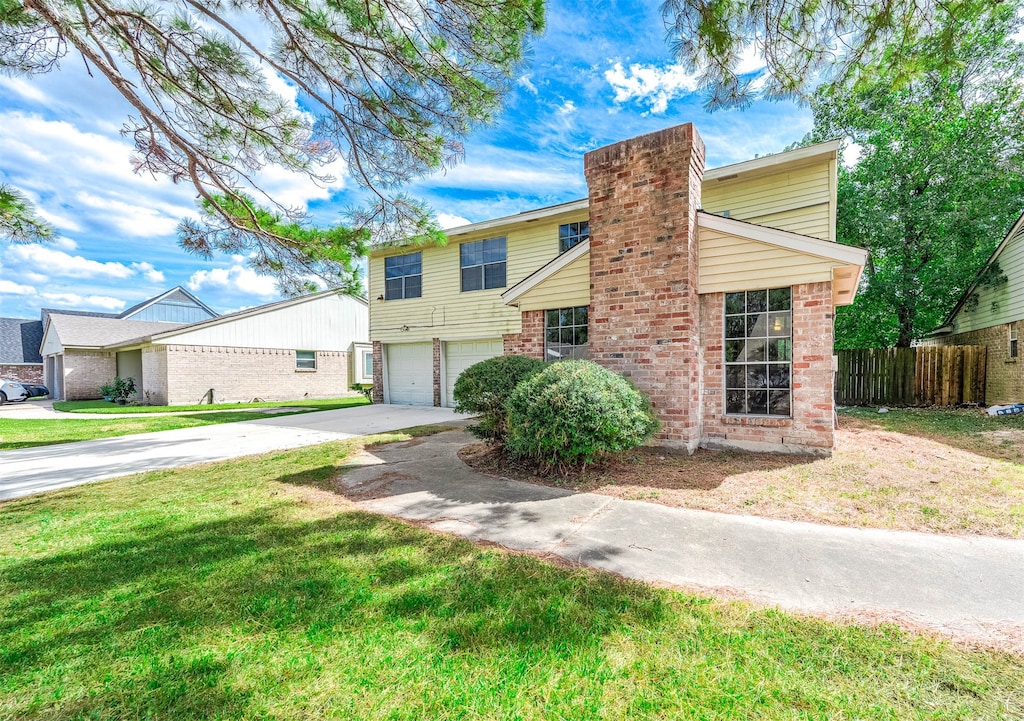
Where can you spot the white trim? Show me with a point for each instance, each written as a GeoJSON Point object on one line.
{"type": "Point", "coordinates": [829, 147]}
{"type": "Point", "coordinates": [805, 244]}
{"type": "Point", "coordinates": [538, 276]}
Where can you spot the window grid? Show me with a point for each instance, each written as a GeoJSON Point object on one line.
{"type": "Point", "coordinates": [305, 360]}
{"type": "Point", "coordinates": [483, 264]}
{"type": "Point", "coordinates": [572, 234]}
{"type": "Point", "coordinates": [403, 276]}
{"type": "Point", "coordinates": [566, 334]}
{"type": "Point", "coordinates": [759, 352]}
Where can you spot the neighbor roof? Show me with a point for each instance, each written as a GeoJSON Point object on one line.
{"type": "Point", "coordinates": [79, 331]}
{"type": "Point", "coordinates": [20, 339]}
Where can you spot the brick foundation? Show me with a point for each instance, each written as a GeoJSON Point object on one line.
{"type": "Point", "coordinates": [531, 341]}
{"type": "Point", "coordinates": [437, 372]}
{"type": "Point", "coordinates": [378, 372]}
{"type": "Point", "coordinates": [1004, 376]}
{"type": "Point", "coordinates": [23, 373]}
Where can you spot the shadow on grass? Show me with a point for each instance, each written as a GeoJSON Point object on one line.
{"type": "Point", "coordinates": [167, 619]}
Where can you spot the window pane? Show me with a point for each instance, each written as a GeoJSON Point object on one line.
{"type": "Point", "coordinates": [778, 403]}
{"type": "Point", "coordinates": [734, 303]}
{"type": "Point", "coordinates": [494, 275]}
{"type": "Point", "coordinates": [552, 319]}
{"type": "Point", "coordinates": [392, 268]}
{"type": "Point", "coordinates": [779, 324]}
{"type": "Point", "coordinates": [735, 377]}
{"type": "Point", "coordinates": [580, 315]}
{"type": "Point", "coordinates": [734, 327]}
{"type": "Point", "coordinates": [565, 316]}
{"type": "Point", "coordinates": [778, 375]}
{"type": "Point", "coordinates": [779, 299]}
{"type": "Point", "coordinates": [305, 359]}
{"type": "Point", "coordinates": [494, 250]}
{"type": "Point", "coordinates": [757, 376]}
{"type": "Point", "coordinates": [780, 349]}
{"type": "Point", "coordinates": [564, 231]}
{"type": "Point", "coordinates": [414, 266]}
{"type": "Point", "coordinates": [552, 335]}
{"type": "Point", "coordinates": [757, 301]}
{"type": "Point", "coordinates": [473, 278]}
{"type": "Point", "coordinates": [368, 365]}
{"type": "Point", "coordinates": [567, 336]}
{"type": "Point", "coordinates": [413, 286]}
{"type": "Point", "coordinates": [393, 289]}
{"type": "Point", "coordinates": [757, 402]}
{"type": "Point", "coordinates": [580, 336]}
{"type": "Point", "coordinates": [735, 402]}
{"type": "Point", "coordinates": [734, 351]}
{"type": "Point", "coordinates": [755, 350]}
{"type": "Point", "coordinates": [757, 326]}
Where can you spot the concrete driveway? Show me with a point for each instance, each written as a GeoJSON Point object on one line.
{"type": "Point", "coordinates": [46, 468]}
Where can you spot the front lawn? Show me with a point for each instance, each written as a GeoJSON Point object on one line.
{"type": "Point", "coordinates": [943, 471]}
{"type": "Point", "coordinates": [319, 404]}
{"type": "Point", "coordinates": [248, 590]}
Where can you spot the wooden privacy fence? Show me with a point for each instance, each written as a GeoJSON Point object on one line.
{"type": "Point", "coordinates": [921, 376]}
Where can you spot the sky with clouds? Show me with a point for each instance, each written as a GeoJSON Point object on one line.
{"type": "Point", "coordinates": [601, 72]}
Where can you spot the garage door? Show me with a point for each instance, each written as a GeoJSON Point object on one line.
{"type": "Point", "coordinates": [410, 373]}
{"type": "Point", "coordinates": [460, 355]}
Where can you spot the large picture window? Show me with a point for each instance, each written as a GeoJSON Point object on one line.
{"type": "Point", "coordinates": [403, 276]}
{"type": "Point", "coordinates": [565, 334]}
{"type": "Point", "coordinates": [483, 264]}
{"type": "Point", "coordinates": [759, 352]}
{"type": "Point", "coordinates": [572, 234]}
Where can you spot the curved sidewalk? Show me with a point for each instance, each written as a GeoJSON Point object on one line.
{"type": "Point", "coordinates": [968, 587]}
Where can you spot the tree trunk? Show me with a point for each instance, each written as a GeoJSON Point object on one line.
{"type": "Point", "coordinates": [905, 314]}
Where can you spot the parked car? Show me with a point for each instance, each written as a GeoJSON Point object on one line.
{"type": "Point", "coordinates": [36, 391]}
{"type": "Point", "coordinates": [12, 391]}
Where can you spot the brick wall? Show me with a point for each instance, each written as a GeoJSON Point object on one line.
{"type": "Point", "coordinates": [644, 194]}
{"type": "Point", "coordinates": [437, 372]}
{"type": "Point", "coordinates": [531, 341]}
{"type": "Point", "coordinates": [1004, 376]}
{"type": "Point", "coordinates": [378, 372]}
{"type": "Point", "coordinates": [241, 374]}
{"type": "Point", "coordinates": [28, 373]}
{"type": "Point", "coordinates": [85, 372]}
{"type": "Point", "coordinates": [154, 375]}
{"type": "Point", "coordinates": [811, 427]}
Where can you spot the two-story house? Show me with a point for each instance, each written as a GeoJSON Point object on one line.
{"type": "Point", "coordinates": [713, 291]}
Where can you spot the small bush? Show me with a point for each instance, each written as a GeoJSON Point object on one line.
{"type": "Point", "coordinates": [574, 411]}
{"type": "Point", "coordinates": [484, 388]}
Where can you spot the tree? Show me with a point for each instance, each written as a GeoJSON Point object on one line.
{"type": "Point", "coordinates": [807, 42]}
{"type": "Point", "coordinates": [391, 85]}
{"type": "Point", "coordinates": [939, 181]}
{"type": "Point", "coordinates": [19, 221]}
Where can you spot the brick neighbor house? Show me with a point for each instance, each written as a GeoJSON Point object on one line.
{"type": "Point", "coordinates": [19, 350]}
{"type": "Point", "coordinates": [714, 291]}
{"type": "Point", "coordinates": [991, 313]}
{"type": "Point", "coordinates": [179, 351]}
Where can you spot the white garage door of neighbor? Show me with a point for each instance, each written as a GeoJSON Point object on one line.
{"type": "Point", "coordinates": [411, 373]}
{"type": "Point", "coordinates": [460, 355]}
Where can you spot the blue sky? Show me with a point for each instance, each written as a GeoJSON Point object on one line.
{"type": "Point", "coordinates": [601, 72]}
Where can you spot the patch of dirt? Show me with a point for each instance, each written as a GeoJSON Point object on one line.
{"type": "Point", "coordinates": [874, 479]}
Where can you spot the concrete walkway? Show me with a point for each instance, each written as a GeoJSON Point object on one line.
{"type": "Point", "coordinates": [46, 468]}
{"type": "Point", "coordinates": [969, 587]}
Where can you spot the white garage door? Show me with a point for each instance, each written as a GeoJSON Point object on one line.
{"type": "Point", "coordinates": [460, 355]}
{"type": "Point", "coordinates": [410, 373]}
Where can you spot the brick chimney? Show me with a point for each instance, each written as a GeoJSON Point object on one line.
{"type": "Point", "coordinates": [644, 324]}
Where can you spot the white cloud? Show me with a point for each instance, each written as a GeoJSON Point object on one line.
{"type": "Point", "coordinates": [525, 81]}
{"type": "Point", "coordinates": [567, 108]}
{"type": "Point", "coordinates": [64, 243]}
{"type": "Point", "coordinates": [25, 89]}
{"type": "Point", "coordinates": [9, 287]}
{"type": "Point", "coordinates": [449, 220]}
{"type": "Point", "coordinates": [89, 301]}
{"type": "Point", "coordinates": [57, 262]}
{"type": "Point", "coordinates": [650, 85]}
{"type": "Point", "coordinates": [149, 272]}
{"type": "Point", "coordinates": [244, 280]}
{"type": "Point", "coordinates": [751, 60]}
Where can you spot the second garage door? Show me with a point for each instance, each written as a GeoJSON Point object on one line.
{"type": "Point", "coordinates": [410, 373]}
{"type": "Point", "coordinates": [460, 355]}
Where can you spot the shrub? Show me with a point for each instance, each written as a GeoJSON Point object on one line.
{"type": "Point", "coordinates": [484, 388]}
{"type": "Point", "coordinates": [574, 411]}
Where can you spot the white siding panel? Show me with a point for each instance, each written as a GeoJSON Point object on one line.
{"type": "Point", "coordinates": [51, 343]}
{"type": "Point", "coordinates": [460, 355]}
{"type": "Point", "coordinates": [328, 323]}
{"type": "Point", "coordinates": [1000, 304]}
{"type": "Point", "coordinates": [410, 373]}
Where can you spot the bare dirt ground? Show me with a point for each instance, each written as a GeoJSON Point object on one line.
{"type": "Point", "coordinates": [933, 478]}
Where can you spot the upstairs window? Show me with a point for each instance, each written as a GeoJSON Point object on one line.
{"type": "Point", "coordinates": [565, 334]}
{"type": "Point", "coordinates": [759, 352]}
{"type": "Point", "coordinates": [305, 360]}
{"type": "Point", "coordinates": [483, 264]}
{"type": "Point", "coordinates": [403, 276]}
{"type": "Point", "coordinates": [572, 234]}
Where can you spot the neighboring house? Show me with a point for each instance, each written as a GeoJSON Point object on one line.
{"type": "Point", "coordinates": [713, 291]}
{"type": "Point", "coordinates": [991, 313]}
{"type": "Point", "coordinates": [179, 351]}
{"type": "Point", "coordinates": [19, 350]}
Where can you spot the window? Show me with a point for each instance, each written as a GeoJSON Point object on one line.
{"type": "Point", "coordinates": [572, 234]}
{"type": "Point", "coordinates": [565, 333]}
{"type": "Point", "coordinates": [305, 360]}
{"type": "Point", "coordinates": [403, 276]}
{"type": "Point", "coordinates": [483, 264]}
{"type": "Point", "coordinates": [368, 364]}
{"type": "Point", "coordinates": [1013, 341]}
{"type": "Point", "coordinates": [758, 352]}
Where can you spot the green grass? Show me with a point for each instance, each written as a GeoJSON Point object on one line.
{"type": "Point", "coordinates": [107, 407]}
{"type": "Point", "coordinates": [249, 590]}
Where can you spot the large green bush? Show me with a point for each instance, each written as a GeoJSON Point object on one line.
{"type": "Point", "coordinates": [484, 388]}
{"type": "Point", "coordinates": [574, 411]}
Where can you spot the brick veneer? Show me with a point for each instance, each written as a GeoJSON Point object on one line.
{"type": "Point", "coordinates": [437, 371]}
{"type": "Point", "coordinates": [811, 427]}
{"type": "Point", "coordinates": [1004, 376]}
{"type": "Point", "coordinates": [378, 372]}
{"type": "Point", "coordinates": [531, 341]}
{"type": "Point", "coordinates": [241, 374]}
{"type": "Point", "coordinates": [644, 194]}
{"type": "Point", "coordinates": [22, 372]}
{"type": "Point", "coordinates": [85, 372]}
{"type": "Point", "coordinates": [154, 375]}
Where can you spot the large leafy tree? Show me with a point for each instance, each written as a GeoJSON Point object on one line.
{"type": "Point", "coordinates": [939, 181]}
{"type": "Point", "coordinates": [805, 43]}
{"type": "Point", "coordinates": [390, 85]}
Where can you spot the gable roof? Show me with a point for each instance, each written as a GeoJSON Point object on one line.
{"type": "Point", "coordinates": [806, 244]}
{"type": "Point", "coordinates": [547, 270]}
{"type": "Point", "coordinates": [1016, 231]}
{"type": "Point", "coordinates": [176, 290]}
{"type": "Point", "coordinates": [83, 331]}
{"type": "Point", "coordinates": [20, 339]}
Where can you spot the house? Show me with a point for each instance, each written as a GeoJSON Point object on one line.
{"type": "Point", "coordinates": [179, 351]}
{"type": "Point", "coordinates": [19, 350]}
{"type": "Point", "coordinates": [991, 313]}
{"type": "Point", "coordinates": [713, 291]}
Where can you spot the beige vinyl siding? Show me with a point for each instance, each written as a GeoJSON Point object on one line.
{"type": "Point", "coordinates": [1008, 297]}
{"type": "Point", "coordinates": [797, 199]}
{"type": "Point", "coordinates": [444, 311]}
{"type": "Point", "coordinates": [568, 288]}
{"type": "Point", "coordinates": [730, 263]}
